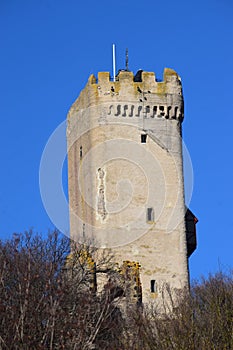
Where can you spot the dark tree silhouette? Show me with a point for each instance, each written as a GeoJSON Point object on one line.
{"type": "Point", "coordinates": [49, 300]}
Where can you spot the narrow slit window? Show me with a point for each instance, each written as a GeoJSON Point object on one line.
{"type": "Point", "coordinates": [143, 138]}
{"type": "Point", "coordinates": [80, 152]}
{"type": "Point", "coordinates": [152, 286]}
{"type": "Point", "coordinates": [150, 215]}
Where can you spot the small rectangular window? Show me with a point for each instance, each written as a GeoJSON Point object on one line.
{"type": "Point", "coordinates": [80, 152]}
{"type": "Point", "coordinates": [150, 215]}
{"type": "Point", "coordinates": [152, 286]}
{"type": "Point", "coordinates": [143, 138]}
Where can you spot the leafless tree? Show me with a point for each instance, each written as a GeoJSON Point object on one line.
{"type": "Point", "coordinates": [203, 319]}
{"type": "Point", "coordinates": [49, 300]}
{"type": "Point", "coordinates": [47, 303]}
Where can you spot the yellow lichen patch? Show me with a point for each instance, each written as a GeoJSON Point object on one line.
{"type": "Point", "coordinates": [92, 79]}
{"type": "Point", "coordinates": [116, 86]}
{"type": "Point", "coordinates": [94, 89]}
{"type": "Point", "coordinates": [154, 295]}
{"type": "Point", "coordinates": [103, 77]}
{"type": "Point", "coordinates": [148, 79]}
{"type": "Point", "coordinates": [161, 88]}
{"type": "Point", "coordinates": [169, 72]}
{"type": "Point", "coordinates": [171, 76]}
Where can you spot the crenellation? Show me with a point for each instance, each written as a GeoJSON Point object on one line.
{"type": "Point", "coordinates": [92, 79]}
{"type": "Point", "coordinates": [125, 77]}
{"type": "Point", "coordinates": [103, 78]}
{"type": "Point", "coordinates": [148, 79]}
{"type": "Point", "coordinates": [145, 89]}
{"type": "Point", "coordinates": [170, 75]}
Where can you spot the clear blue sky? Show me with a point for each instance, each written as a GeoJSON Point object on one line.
{"type": "Point", "coordinates": [48, 50]}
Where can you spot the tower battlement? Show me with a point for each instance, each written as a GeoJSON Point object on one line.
{"type": "Point", "coordinates": [141, 92]}
{"type": "Point", "coordinates": [144, 79]}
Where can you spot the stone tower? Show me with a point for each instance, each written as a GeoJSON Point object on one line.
{"type": "Point", "coordinates": [125, 173]}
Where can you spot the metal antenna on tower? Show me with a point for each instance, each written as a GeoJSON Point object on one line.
{"type": "Point", "coordinates": [127, 59]}
{"type": "Point", "coordinates": [114, 61]}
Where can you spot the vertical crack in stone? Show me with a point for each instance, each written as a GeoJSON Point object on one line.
{"type": "Point", "coordinates": [101, 209]}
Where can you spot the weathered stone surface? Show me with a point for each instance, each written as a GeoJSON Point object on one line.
{"type": "Point", "coordinates": [117, 176]}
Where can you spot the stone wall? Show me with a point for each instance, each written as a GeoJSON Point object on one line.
{"type": "Point", "coordinates": [125, 173]}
